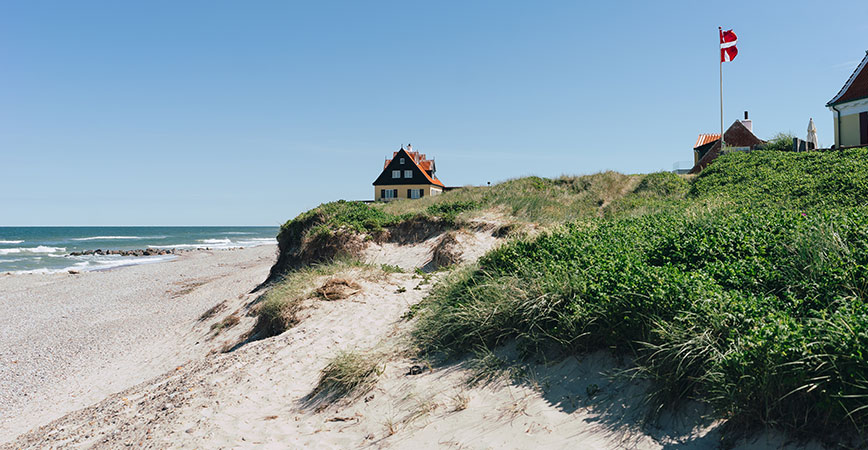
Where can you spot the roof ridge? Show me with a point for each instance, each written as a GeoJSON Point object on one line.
{"type": "Point", "coordinates": [849, 80]}
{"type": "Point", "coordinates": [424, 172]}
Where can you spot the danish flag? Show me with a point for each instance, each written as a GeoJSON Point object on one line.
{"type": "Point", "coordinates": [727, 45]}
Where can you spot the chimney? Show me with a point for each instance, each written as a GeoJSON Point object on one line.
{"type": "Point", "coordinates": [747, 123]}
{"type": "Point", "coordinates": [409, 147]}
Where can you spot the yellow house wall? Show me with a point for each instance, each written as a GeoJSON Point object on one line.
{"type": "Point", "coordinates": [849, 130]}
{"type": "Point", "coordinates": [402, 190]}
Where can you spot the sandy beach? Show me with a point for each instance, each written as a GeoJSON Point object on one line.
{"type": "Point", "coordinates": [68, 341]}
{"type": "Point", "coordinates": [127, 362]}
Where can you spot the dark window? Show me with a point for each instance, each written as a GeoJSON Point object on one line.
{"type": "Point", "coordinates": [863, 128]}
{"type": "Point", "coordinates": [382, 193]}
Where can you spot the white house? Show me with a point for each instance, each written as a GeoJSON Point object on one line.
{"type": "Point", "coordinates": [850, 109]}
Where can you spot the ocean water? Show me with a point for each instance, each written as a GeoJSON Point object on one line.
{"type": "Point", "coordinates": [47, 249]}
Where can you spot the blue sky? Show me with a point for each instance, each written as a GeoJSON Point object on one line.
{"type": "Point", "coordinates": [247, 113]}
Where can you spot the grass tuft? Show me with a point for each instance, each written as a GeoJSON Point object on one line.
{"type": "Point", "coordinates": [349, 373]}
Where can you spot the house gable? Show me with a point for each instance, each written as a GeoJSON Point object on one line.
{"type": "Point", "coordinates": [419, 175]}
{"type": "Point", "coordinates": [737, 135]}
{"type": "Point", "coordinates": [856, 86]}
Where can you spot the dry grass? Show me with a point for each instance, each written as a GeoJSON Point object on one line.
{"type": "Point", "coordinates": [460, 402]}
{"type": "Point", "coordinates": [213, 311]}
{"type": "Point", "coordinates": [338, 289]}
{"type": "Point", "coordinates": [532, 199]}
{"type": "Point", "coordinates": [446, 252]}
{"type": "Point", "coordinates": [227, 322]}
{"type": "Point", "coordinates": [278, 308]}
{"type": "Point", "coordinates": [350, 373]}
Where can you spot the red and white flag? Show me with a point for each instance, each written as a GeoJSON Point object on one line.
{"type": "Point", "coordinates": [727, 45]}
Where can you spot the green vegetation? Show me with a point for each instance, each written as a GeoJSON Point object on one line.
{"type": "Point", "coordinates": [333, 230]}
{"type": "Point", "coordinates": [743, 287]}
{"type": "Point", "coordinates": [530, 199]}
{"type": "Point", "coordinates": [278, 307]}
{"type": "Point", "coordinates": [782, 142]}
{"type": "Point", "coordinates": [787, 180]}
{"type": "Point", "coordinates": [349, 373]}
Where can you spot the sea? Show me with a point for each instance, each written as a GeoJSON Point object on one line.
{"type": "Point", "coordinates": [47, 249]}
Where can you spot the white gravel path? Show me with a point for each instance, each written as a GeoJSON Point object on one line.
{"type": "Point", "coordinates": [67, 341]}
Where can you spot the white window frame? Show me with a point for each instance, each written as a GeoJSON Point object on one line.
{"type": "Point", "coordinates": [408, 174]}
{"type": "Point", "coordinates": [390, 194]}
{"type": "Point", "coordinates": [396, 174]}
{"type": "Point", "coordinates": [402, 161]}
{"type": "Point", "coordinates": [415, 193]}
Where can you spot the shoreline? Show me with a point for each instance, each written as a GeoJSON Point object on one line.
{"type": "Point", "coordinates": [142, 257]}
{"type": "Point", "coordinates": [70, 340]}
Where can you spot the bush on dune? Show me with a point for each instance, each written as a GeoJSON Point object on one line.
{"type": "Point", "coordinates": [748, 293]}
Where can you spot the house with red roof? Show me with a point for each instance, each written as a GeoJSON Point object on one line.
{"type": "Point", "coordinates": [850, 109]}
{"type": "Point", "coordinates": [738, 137]}
{"type": "Point", "coordinates": [408, 174]}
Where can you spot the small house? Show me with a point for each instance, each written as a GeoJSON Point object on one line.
{"type": "Point", "coordinates": [738, 137]}
{"type": "Point", "coordinates": [407, 174]}
{"type": "Point", "coordinates": [850, 109]}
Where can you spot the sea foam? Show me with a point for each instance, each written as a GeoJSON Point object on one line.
{"type": "Point", "coordinates": [39, 249]}
{"type": "Point", "coordinates": [215, 241]}
{"type": "Point", "coordinates": [10, 242]}
{"type": "Point", "coordinates": [101, 238]}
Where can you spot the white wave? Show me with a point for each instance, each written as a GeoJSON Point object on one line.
{"type": "Point", "coordinates": [111, 264]}
{"type": "Point", "coordinates": [256, 242]}
{"type": "Point", "coordinates": [218, 244]}
{"type": "Point", "coordinates": [39, 249]}
{"type": "Point", "coordinates": [11, 242]}
{"type": "Point", "coordinates": [102, 238]}
{"type": "Point", "coordinates": [236, 232]}
{"type": "Point", "coordinates": [100, 265]}
{"type": "Point", "coordinates": [215, 241]}
{"type": "Point", "coordinates": [12, 260]}
{"type": "Point", "coordinates": [180, 246]}
{"type": "Point", "coordinates": [37, 271]}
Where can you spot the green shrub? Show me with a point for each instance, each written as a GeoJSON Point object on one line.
{"type": "Point", "coordinates": [748, 293]}
{"type": "Point", "coordinates": [746, 311]}
{"type": "Point", "coordinates": [801, 181]}
{"type": "Point", "coordinates": [782, 142]}
{"type": "Point", "coordinates": [450, 210]}
{"type": "Point", "coordinates": [662, 184]}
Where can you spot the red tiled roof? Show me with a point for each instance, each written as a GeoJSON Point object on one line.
{"type": "Point", "coordinates": [856, 86]}
{"type": "Point", "coordinates": [705, 139]}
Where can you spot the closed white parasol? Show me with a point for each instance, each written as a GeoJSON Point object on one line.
{"type": "Point", "coordinates": [812, 134]}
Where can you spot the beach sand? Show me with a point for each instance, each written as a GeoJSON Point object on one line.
{"type": "Point", "coordinates": [263, 394]}
{"type": "Point", "coordinates": [67, 341]}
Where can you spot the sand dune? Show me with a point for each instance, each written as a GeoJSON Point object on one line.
{"type": "Point", "coordinates": [261, 394]}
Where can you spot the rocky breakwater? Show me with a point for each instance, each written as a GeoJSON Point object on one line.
{"type": "Point", "coordinates": [138, 252]}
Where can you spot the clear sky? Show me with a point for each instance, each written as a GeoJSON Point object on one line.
{"type": "Point", "coordinates": [247, 113]}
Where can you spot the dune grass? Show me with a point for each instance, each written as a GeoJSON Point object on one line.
{"type": "Point", "coordinates": [530, 199]}
{"type": "Point", "coordinates": [278, 308]}
{"type": "Point", "coordinates": [743, 288]}
{"type": "Point", "coordinates": [349, 373]}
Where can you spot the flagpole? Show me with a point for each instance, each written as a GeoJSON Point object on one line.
{"type": "Point", "coordinates": [720, 63]}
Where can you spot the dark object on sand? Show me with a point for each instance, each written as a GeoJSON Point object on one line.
{"type": "Point", "coordinates": [338, 288]}
{"type": "Point", "coordinates": [416, 370]}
